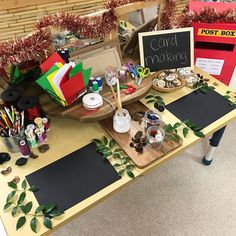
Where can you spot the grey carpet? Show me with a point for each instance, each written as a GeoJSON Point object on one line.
{"type": "Point", "coordinates": [181, 197]}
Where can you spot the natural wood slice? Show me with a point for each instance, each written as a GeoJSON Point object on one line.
{"type": "Point", "coordinates": [77, 111]}
{"type": "Point", "coordinates": [149, 154]}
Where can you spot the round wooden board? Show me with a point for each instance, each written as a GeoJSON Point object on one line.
{"type": "Point", "coordinates": [77, 110]}
{"type": "Point", "coordinates": [167, 90]}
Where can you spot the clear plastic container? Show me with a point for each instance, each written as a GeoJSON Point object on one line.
{"type": "Point", "coordinates": [122, 124]}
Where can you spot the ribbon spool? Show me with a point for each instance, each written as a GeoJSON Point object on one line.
{"type": "Point", "coordinates": [31, 107]}
{"type": "Point", "coordinates": [10, 96]}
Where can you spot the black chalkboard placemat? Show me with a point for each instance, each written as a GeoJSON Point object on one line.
{"type": "Point", "coordinates": [202, 109]}
{"type": "Point", "coordinates": [73, 178]}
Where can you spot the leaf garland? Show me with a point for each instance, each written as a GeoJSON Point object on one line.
{"type": "Point", "coordinates": [16, 200]}
{"type": "Point", "coordinates": [231, 97]}
{"type": "Point", "coordinates": [108, 149]}
{"type": "Point", "coordinates": [158, 101]}
{"type": "Point", "coordinates": [186, 125]}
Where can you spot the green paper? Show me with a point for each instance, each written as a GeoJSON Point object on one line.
{"type": "Point", "coordinates": [85, 73]}
{"type": "Point", "coordinates": [44, 83]}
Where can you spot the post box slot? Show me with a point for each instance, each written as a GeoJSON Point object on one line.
{"type": "Point", "coordinates": [214, 46]}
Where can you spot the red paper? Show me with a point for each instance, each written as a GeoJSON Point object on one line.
{"type": "Point", "coordinates": [73, 87]}
{"type": "Point", "coordinates": [50, 61]}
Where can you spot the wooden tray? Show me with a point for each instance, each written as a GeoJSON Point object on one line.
{"type": "Point", "coordinates": [149, 154]}
{"type": "Point", "coordinates": [77, 111]}
{"type": "Point", "coordinates": [167, 90]}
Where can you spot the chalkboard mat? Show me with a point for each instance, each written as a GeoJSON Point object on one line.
{"type": "Point", "coordinates": [73, 178]}
{"type": "Point", "coordinates": [167, 49]}
{"type": "Point", "coordinates": [202, 109]}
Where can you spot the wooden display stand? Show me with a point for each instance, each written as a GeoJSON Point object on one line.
{"type": "Point", "coordinates": [149, 154]}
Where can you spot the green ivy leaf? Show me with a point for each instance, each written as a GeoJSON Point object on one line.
{"type": "Point", "coordinates": [27, 208]}
{"type": "Point", "coordinates": [211, 87]}
{"type": "Point", "coordinates": [97, 141]}
{"type": "Point", "coordinates": [21, 198]}
{"type": "Point", "coordinates": [33, 224]}
{"type": "Point", "coordinates": [168, 128]}
{"type": "Point", "coordinates": [107, 154]}
{"type": "Point", "coordinates": [228, 92]}
{"type": "Point", "coordinates": [12, 185]}
{"type": "Point", "coordinates": [203, 90]}
{"type": "Point", "coordinates": [24, 184]}
{"type": "Point", "coordinates": [33, 189]}
{"type": "Point", "coordinates": [14, 211]}
{"type": "Point", "coordinates": [185, 131]}
{"type": "Point", "coordinates": [39, 209]}
{"type": "Point", "coordinates": [199, 134]}
{"type": "Point", "coordinates": [105, 149]}
{"type": "Point", "coordinates": [124, 160]}
{"type": "Point", "coordinates": [47, 222]}
{"type": "Point", "coordinates": [49, 208]}
{"type": "Point", "coordinates": [160, 103]}
{"type": "Point", "coordinates": [116, 165]}
{"type": "Point", "coordinates": [112, 143]}
{"type": "Point", "coordinates": [56, 213]}
{"type": "Point", "coordinates": [130, 174]}
{"type": "Point", "coordinates": [130, 167]}
{"type": "Point", "coordinates": [7, 205]}
{"type": "Point", "coordinates": [177, 125]}
{"type": "Point", "coordinates": [159, 98]}
{"type": "Point", "coordinates": [10, 196]}
{"type": "Point", "coordinates": [121, 172]}
{"type": "Point", "coordinates": [116, 156]}
{"type": "Point", "coordinates": [21, 221]}
{"type": "Point", "coordinates": [227, 97]}
{"type": "Point", "coordinates": [100, 147]}
{"type": "Point", "coordinates": [151, 101]}
{"type": "Point", "coordinates": [149, 96]}
{"type": "Point", "coordinates": [105, 140]}
{"type": "Point", "coordinates": [231, 104]}
{"type": "Point", "coordinates": [174, 137]}
{"type": "Point", "coordinates": [118, 150]}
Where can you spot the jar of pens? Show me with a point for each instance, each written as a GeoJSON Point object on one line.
{"type": "Point", "coordinates": [11, 128]}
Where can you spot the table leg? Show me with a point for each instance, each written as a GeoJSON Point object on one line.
{"type": "Point", "coordinates": [214, 142]}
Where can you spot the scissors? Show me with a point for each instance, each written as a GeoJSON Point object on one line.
{"type": "Point", "coordinates": [128, 66]}
{"type": "Point", "coordinates": [143, 72]}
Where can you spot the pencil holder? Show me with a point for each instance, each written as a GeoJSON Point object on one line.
{"type": "Point", "coordinates": [155, 136]}
{"type": "Point", "coordinates": [12, 142]}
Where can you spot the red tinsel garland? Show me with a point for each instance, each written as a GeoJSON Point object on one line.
{"type": "Point", "coordinates": [205, 15]}
{"type": "Point", "coordinates": [167, 14]}
{"type": "Point", "coordinates": [32, 47]}
{"type": "Point", "coordinates": [111, 4]}
{"type": "Point", "coordinates": [88, 27]}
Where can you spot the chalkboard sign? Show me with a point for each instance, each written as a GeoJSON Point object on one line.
{"type": "Point", "coordinates": [166, 49]}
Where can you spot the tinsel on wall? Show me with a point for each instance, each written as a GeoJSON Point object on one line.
{"type": "Point", "coordinates": [167, 14]}
{"type": "Point", "coordinates": [32, 47]}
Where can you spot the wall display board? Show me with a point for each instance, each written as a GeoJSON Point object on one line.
{"type": "Point", "coordinates": [166, 49]}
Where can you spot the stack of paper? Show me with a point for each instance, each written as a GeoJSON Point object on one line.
{"type": "Point", "coordinates": [65, 82]}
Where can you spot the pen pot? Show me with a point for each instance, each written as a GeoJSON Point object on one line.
{"type": "Point", "coordinates": [122, 124]}
{"type": "Point", "coordinates": [151, 118]}
{"type": "Point", "coordinates": [12, 142]}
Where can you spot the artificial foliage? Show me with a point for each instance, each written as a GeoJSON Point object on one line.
{"type": "Point", "coordinates": [231, 97]}
{"type": "Point", "coordinates": [109, 149]}
{"type": "Point", "coordinates": [17, 203]}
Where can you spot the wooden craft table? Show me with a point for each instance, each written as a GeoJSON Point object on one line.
{"type": "Point", "coordinates": [67, 136]}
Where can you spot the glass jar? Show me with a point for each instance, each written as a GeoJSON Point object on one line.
{"type": "Point", "coordinates": [122, 124]}
{"type": "Point", "coordinates": [151, 118]}
{"type": "Point", "coordinates": [155, 136]}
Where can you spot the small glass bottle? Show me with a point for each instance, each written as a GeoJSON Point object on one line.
{"type": "Point", "coordinates": [155, 136]}
{"type": "Point", "coordinates": [122, 124]}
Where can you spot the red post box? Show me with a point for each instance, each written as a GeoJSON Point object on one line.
{"type": "Point", "coordinates": [215, 49]}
